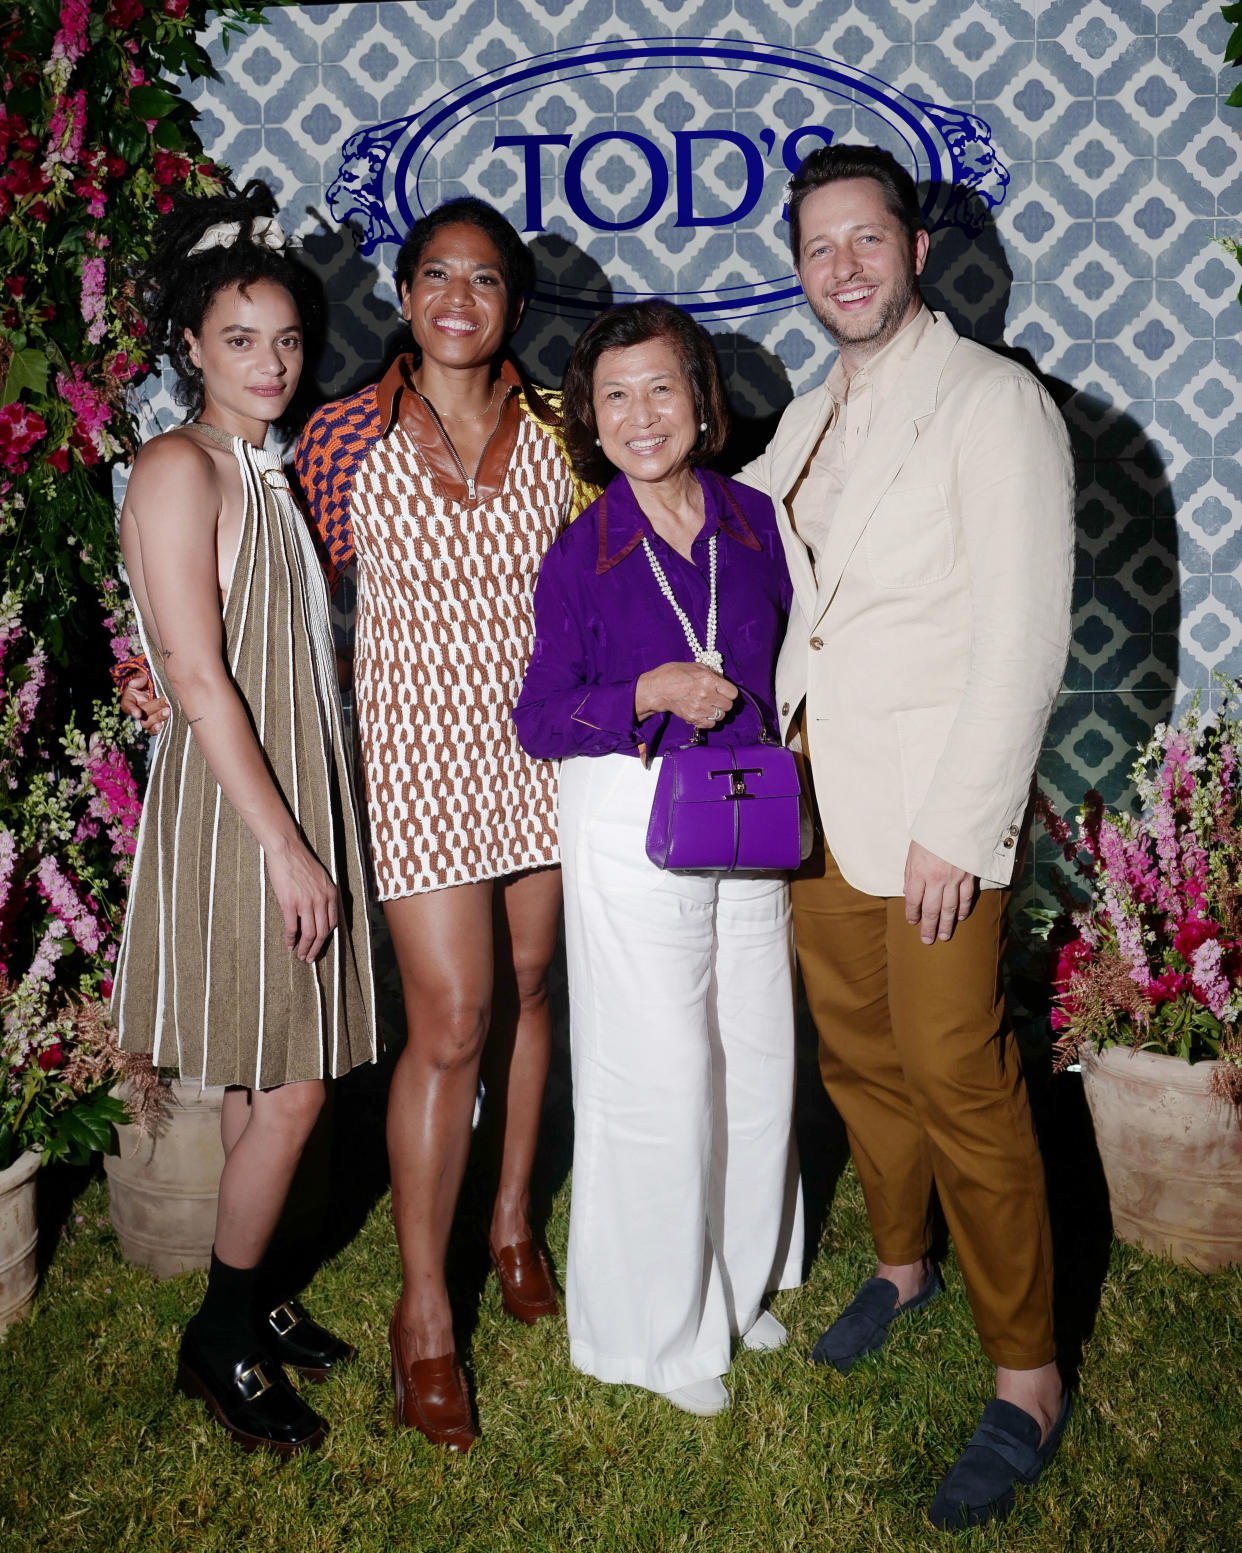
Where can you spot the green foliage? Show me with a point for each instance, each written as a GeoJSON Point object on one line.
{"type": "Point", "coordinates": [95, 139]}
{"type": "Point", "coordinates": [98, 1453]}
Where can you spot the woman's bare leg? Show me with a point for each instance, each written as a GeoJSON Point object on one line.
{"type": "Point", "coordinates": [443, 944]}
{"type": "Point", "coordinates": [528, 909]}
{"type": "Point", "coordinates": [264, 1133]}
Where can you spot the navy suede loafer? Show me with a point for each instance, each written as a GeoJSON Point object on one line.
{"type": "Point", "coordinates": [1003, 1452]}
{"type": "Point", "coordinates": [863, 1325]}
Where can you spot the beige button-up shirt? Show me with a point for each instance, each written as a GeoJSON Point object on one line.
{"type": "Point", "coordinates": [813, 501]}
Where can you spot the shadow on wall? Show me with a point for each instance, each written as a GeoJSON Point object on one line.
{"type": "Point", "coordinates": [1119, 683]}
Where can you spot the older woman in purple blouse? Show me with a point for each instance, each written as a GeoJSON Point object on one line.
{"type": "Point", "coordinates": [650, 611]}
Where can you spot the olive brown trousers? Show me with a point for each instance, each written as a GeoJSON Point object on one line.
{"type": "Point", "coordinates": [917, 1056]}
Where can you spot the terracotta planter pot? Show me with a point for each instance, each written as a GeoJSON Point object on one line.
{"type": "Point", "coordinates": [19, 1237]}
{"type": "Point", "coordinates": [162, 1188]}
{"type": "Point", "coordinates": [1171, 1152]}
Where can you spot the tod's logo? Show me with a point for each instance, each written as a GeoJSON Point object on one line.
{"type": "Point", "coordinates": [673, 141]}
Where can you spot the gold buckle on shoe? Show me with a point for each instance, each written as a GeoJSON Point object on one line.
{"type": "Point", "coordinates": [286, 1313]}
{"type": "Point", "coordinates": [258, 1375]}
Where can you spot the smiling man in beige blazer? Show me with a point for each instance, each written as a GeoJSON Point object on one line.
{"type": "Point", "coordinates": [925, 494]}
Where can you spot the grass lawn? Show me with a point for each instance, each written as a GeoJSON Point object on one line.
{"type": "Point", "coordinates": [97, 1453]}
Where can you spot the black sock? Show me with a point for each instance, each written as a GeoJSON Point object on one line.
{"type": "Point", "coordinates": [224, 1325]}
{"type": "Point", "coordinates": [282, 1275]}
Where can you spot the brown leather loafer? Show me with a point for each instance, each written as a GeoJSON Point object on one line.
{"type": "Point", "coordinates": [525, 1281]}
{"type": "Point", "coordinates": [430, 1394]}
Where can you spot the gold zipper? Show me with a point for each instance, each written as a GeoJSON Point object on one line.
{"type": "Point", "coordinates": [470, 480]}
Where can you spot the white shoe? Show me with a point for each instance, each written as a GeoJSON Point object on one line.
{"type": "Point", "coordinates": [704, 1397]}
{"type": "Point", "coordinates": [764, 1334]}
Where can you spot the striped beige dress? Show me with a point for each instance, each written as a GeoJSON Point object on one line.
{"type": "Point", "coordinates": [205, 980]}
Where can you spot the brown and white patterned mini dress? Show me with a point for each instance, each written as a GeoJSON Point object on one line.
{"type": "Point", "coordinates": [445, 625]}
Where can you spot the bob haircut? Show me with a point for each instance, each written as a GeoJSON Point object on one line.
{"type": "Point", "coordinates": [634, 323]}
{"type": "Point", "coordinates": [516, 264]}
{"type": "Point", "coordinates": [175, 288]}
{"type": "Point", "coordinates": [831, 164]}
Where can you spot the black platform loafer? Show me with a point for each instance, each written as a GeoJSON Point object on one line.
{"type": "Point", "coordinates": [253, 1400]}
{"type": "Point", "coordinates": [293, 1339]}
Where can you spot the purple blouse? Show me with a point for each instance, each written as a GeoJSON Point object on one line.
{"type": "Point", "coordinates": [601, 621]}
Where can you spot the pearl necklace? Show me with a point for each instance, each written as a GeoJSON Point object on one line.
{"type": "Point", "coordinates": [706, 653]}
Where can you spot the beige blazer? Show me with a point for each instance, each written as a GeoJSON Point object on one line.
{"type": "Point", "coordinates": [931, 647]}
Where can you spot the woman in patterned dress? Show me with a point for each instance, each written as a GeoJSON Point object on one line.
{"type": "Point", "coordinates": [245, 957]}
{"type": "Point", "coordinates": [446, 481]}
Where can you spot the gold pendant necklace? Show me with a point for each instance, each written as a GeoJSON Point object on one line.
{"type": "Point", "coordinates": [447, 415]}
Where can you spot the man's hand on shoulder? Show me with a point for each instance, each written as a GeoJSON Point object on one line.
{"type": "Point", "coordinates": [938, 895]}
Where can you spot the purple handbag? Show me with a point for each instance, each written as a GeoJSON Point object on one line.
{"type": "Point", "coordinates": [726, 808]}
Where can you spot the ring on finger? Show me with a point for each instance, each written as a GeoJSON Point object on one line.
{"type": "Point", "coordinates": [716, 714]}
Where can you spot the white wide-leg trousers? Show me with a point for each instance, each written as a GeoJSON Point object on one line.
{"type": "Point", "coordinates": [686, 1204]}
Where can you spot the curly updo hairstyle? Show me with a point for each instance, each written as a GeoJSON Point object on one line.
{"type": "Point", "coordinates": [175, 288]}
{"type": "Point", "coordinates": [634, 323]}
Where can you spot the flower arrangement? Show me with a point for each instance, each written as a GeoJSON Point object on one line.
{"type": "Point", "coordinates": [1153, 957]}
{"type": "Point", "coordinates": [95, 140]}
{"type": "Point", "coordinates": [67, 832]}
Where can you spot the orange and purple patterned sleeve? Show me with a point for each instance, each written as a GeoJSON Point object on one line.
{"type": "Point", "coordinates": [336, 440]}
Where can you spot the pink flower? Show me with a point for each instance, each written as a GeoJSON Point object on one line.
{"type": "Point", "coordinates": [1191, 934]}
{"type": "Point", "coordinates": [73, 914]}
{"type": "Point", "coordinates": [20, 429]}
{"type": "Point", "coordinates": [175, 8]}
{"type": "Point", "coordinates": [94, 296]}
{"type": "Point", "coordinates": [8, 857]}
{"type": "Point", "coordinates": [66, 131]}
{"type": "Point", "coordinates": [70, 42]}
{"type": "Point", "coordinates": [122, 14]}
{"type": "Point", "coordinates": [1072, 958]}
{"type": "Point", "coordinates": [1167, 987]}
{"type": "Point", "coordinates": [51, 1056]}
{"type": "Point", "coordinates": [91, 412]}
{"type": "Point", "coordinates": [1210, 985]}
{"type": "Point", "coordinates": [114, 799]}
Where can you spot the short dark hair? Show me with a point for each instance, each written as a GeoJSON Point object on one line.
{"type": "Point", "coordinates": [175, 287]}
{"type": "Point", "coordinates": [830, 164]}
{"type": "Point", "coordinates": [633, 323]}
{"type": "Point", "coordinates": [516, 263]}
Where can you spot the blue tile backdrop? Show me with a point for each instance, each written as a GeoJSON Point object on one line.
{"type": "Point", "coordinates": [1099, 265]}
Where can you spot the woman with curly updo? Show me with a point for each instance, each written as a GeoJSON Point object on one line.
{"type": "Point", "coordinates": [245, 958]}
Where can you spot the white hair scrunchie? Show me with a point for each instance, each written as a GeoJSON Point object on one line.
{"type": "Point", "coordinates": [265, 231]}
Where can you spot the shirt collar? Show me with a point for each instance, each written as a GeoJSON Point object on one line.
{"type": "Point", "coordinates": [885, 368]}
{"type": "Point", "coordinates": [398, 384]}
{"type": "Point", "coordinates": [623, 525]}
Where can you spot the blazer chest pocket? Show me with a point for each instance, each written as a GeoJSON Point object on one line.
{"type": "Point", "coordinates": [910, 537]}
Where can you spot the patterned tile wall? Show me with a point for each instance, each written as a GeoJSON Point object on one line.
{"type": "Point", "coordinates": [1099, 266]}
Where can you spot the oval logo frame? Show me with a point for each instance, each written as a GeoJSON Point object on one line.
{"type": "Point", "coordinates": [383, 168]}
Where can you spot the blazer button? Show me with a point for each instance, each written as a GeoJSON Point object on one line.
{"type": "Point", "coordinates": [784, 708]}
{"type": "Point", "coordinates": [1013, 830]}
{"type": "Point", "coordinates": [1008, 841]}
{"type": "Point", "coordinates": [817, 642]}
